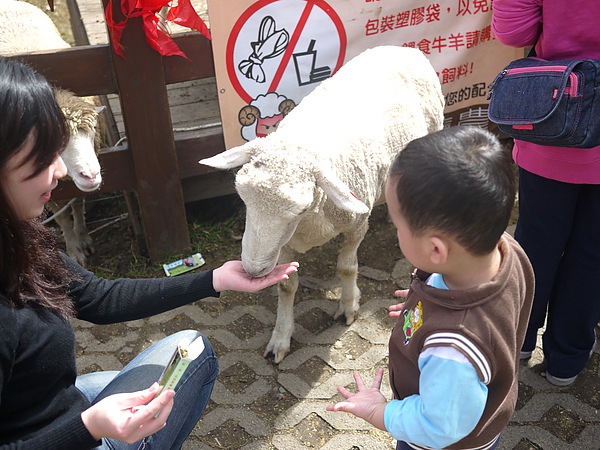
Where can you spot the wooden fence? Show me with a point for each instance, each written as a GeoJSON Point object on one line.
{"type": "Point", "coordinates": [153, 163]}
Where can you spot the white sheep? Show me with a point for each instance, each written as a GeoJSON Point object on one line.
{"type": "Point", "coordinates": [26, 28]}
{"type": "Point", "coordinates": [324, 169]}
{"type": "Point", "coordinates": [80, 157]}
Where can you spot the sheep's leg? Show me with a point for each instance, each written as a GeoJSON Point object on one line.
{"type": "Point", "coordinates": [65, 222]}
{"type": "Point", "coordinates": [347, 268]}
{"type": "Point", "coordinates": [279, 345]}
{"type": "Point", "coordinates": [84, 240]}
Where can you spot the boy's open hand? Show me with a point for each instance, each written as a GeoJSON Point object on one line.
{"type": "Point", "coordinates": [368, 403]}
{"type": "Point", "coordinates": [395, 310]}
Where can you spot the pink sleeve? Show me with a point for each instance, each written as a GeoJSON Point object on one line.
{"type": "Point", "coordinates": [517, 23]}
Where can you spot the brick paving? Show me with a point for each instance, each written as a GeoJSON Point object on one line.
{"type": "Point", "coordinates": [259, 405]}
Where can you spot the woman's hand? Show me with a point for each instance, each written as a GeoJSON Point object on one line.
{"type": "Point", "coordinates": [129, 417]}
{"type": "Point", "coordinates": [231, 276]}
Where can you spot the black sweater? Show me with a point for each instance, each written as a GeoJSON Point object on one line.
{"type": "Point", "coordinates": [40, 407]}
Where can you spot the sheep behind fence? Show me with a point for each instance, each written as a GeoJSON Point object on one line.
{"type": "Point", "coordinates": [81, 158]}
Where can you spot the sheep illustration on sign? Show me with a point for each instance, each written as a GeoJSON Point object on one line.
{"type": "Point", "coordinates": [263, 115]}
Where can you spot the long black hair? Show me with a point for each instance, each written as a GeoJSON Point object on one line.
{"type": "Point", "coordinates": [32, 270]}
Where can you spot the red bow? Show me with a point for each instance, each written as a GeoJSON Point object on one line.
{"type": "Point", "coordinates": [183, 14]}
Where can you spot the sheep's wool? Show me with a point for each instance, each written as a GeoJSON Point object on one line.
{"type": "Point", "coordinates": [325, 167]}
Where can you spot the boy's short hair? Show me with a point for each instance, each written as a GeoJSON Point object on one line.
{"type": "Point", "coordinates": [460, 181]}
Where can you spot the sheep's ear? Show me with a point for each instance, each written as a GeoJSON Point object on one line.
{"type": "Point", "coordinates": [229, 159]}
{"type": "Point", "coordinates": [339, 192]}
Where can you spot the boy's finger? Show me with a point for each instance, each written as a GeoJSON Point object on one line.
{"type": "Point", "coordinates": [359, 382]}
{"type": "Point", "coordinates": [341, 406]}
{"type": "Point", "coordinates": [377, 380]}
{"type": "Point", "coordinates": [334, 407]}
{"type": "Point", "coordinates": [344, 392]}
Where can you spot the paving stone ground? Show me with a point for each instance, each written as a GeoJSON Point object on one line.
{"type": "Point", "coordinates": [259, 405]}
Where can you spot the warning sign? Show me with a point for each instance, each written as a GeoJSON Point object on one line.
{"type": "Point", "coordinates": [269, 54]}
{"type": "Point", "coordinates": [284, 50]}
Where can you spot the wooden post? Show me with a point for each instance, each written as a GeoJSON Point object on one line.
{"type": "Point", "coordinates": [142, 88]}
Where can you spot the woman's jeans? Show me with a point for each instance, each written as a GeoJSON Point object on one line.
{"type": "Point", "coordinates": [559, 229]}
{"type": "Point", "coordinates": [192, 391]}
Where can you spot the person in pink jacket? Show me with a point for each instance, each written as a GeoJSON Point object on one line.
{"type": "Point", "coordinates": [559, 194]}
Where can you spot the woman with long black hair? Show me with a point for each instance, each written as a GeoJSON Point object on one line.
{"type": "Point", "coordinates": [43, 403]}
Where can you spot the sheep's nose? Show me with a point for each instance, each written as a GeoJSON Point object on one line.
{"type": "Point", "coordinates": [92, 176]}
{"type": "Point", "coordinates": [256, 270]}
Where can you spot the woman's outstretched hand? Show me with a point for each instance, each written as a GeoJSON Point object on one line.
{"type": "Point", "coordinates": [129, 417]}
{"type": "Point", "coordinates": [231, 276]}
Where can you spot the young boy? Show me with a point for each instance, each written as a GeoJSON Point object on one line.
{"type": "Point", "coordinates": [454, 352]}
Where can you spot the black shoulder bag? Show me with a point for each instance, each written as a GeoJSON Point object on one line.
{"type": "Point", "coordinates": [554, 103]}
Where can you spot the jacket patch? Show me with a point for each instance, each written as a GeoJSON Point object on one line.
{"type": "Point", "coordinates": [413, 319]}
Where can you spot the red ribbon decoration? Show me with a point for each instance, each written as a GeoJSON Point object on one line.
{"type": "Point", "coordinates": [183, 14]}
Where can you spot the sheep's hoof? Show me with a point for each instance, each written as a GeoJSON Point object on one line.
{"type": "Point", "coordinates": [277, 356]}
{"type": "Point", "coordinates": [277, 349]}
{"type": "Point", "coordinates": [88, 250]}
{"type": "Point", "coordinates": [78, 256]}
{"type": "Point", "coordinates": [349, 317]}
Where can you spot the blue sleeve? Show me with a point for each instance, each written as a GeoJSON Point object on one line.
{"type": "Point", "coordinates": [451, 401]}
